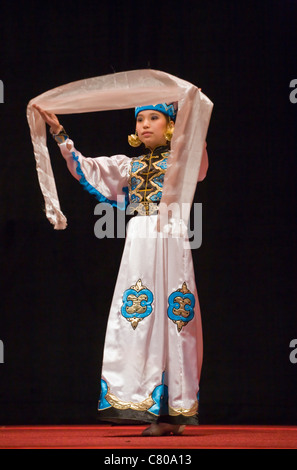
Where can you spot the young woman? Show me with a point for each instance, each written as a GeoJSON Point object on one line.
{"type": "Point", "coordinates": [153, 346]}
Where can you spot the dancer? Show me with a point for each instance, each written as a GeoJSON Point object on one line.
{"type": "Point", "coordinates": [153, 346]}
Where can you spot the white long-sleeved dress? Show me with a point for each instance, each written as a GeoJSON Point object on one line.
{"type": "Point", "coordinates": [153, 345]}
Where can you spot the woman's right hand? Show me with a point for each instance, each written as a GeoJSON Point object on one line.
{"type": "Point", "coordinates": [50, 118]}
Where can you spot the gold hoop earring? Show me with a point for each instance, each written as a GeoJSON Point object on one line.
{"type": "Point", "coordinates": [169, 133]}
{"type": "Point", "coordinates": [134, 140]}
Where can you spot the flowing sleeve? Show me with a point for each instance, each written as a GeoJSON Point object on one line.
{"type": "Point", "coordinates": [106, 178]}
{"type": "Point", "coordinates": [204, 165]}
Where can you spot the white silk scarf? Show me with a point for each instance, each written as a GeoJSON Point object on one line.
{"type": "Point", "coordinates": [121, 91]}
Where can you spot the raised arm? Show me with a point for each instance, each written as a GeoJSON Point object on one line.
{"type": "Point", "coordinates": [104, 177]}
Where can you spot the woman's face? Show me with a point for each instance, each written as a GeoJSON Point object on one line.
{"type": "Point", "coordinates": [151, 127]}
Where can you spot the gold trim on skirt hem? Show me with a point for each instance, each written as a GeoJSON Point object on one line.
{"type": "Point", "coordinates": [183, 411]}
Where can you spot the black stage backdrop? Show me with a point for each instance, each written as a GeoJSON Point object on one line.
{"type": "Point", "coordinates": [56, 286]}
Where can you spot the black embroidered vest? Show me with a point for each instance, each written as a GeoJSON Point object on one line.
{"type": "Point", "coordinates": [146, 180]}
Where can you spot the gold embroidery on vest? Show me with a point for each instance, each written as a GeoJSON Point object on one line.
{"type": "Point", "coordinates": [146, 182]}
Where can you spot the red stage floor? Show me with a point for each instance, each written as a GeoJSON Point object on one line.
{"type": "Point", "coordinates": [129, 437]}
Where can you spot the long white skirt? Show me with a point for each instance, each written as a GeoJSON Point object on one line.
{"type": "Point", "coordinates": [153, 346]}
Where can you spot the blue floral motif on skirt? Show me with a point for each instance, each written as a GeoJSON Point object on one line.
{"type": "Point", "coordinates": [137, 303]}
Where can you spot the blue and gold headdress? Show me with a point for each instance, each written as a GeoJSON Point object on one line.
{"type": "Point", "coordinates": [168, 109]}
